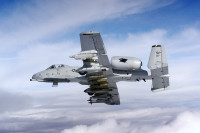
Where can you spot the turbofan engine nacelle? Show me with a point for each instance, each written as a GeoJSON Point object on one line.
{"type": "Point", "coordinates": [125, 63]}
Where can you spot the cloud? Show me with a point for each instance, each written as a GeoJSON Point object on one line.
{"type": "Point", "coordinates": [34, 59]}
{"type": "Point", "coordinates": [56, 118]}
{"type": "Point", "coordinates": [184, 123]}
{"type": "Point", "coordinates": [110, 126]}
{"type": "Point", "coordinates": [14, 101]}
{"type": "Point", "coordinates": [183, 42]}
{"type": "Point", "coordinates": [34, 21]}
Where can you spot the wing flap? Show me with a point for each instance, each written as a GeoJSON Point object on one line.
{"type": "Point", "coordinates": [115, 94]}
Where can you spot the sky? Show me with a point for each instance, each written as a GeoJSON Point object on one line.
{"type": "Point", "coordinates": [35, 34]}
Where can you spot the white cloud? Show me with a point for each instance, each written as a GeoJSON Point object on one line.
{"type": "Point", "coordinates": [37, 20]}
{"type": "Point", "coordinates": [108, 126]}
{"type": "Point", "coordinates": [136, 44]}
{"type": "Point", "coordinates": [34, 59]}
{"type": "Point", "coordinates": [14, 101]}
{"type": "Point", "coordinates": [183, 42]}
{"type": "Point", "coordinates": [184, 123]}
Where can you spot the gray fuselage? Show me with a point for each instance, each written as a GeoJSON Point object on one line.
{"type": "Point", "coordinates": [65, 73]}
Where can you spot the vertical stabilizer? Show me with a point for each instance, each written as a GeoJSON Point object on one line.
{"type": "Point", "coordinates": [159, 68]}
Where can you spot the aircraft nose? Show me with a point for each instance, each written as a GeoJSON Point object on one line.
{"type": "Point", "coordinates": [36, 77]}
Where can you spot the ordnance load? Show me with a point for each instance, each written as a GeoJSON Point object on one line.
{"type": "Point", "coordinates": [91, 101]}
{"type": "Point", "coordinates": [90, 60]}
{"type": "Point", "coordinates": [95, 76]}
{"type": "Point", "coordinates": [85, 55]}
{"type": "Point", "coordinates": [98, 81]}
{"type": "Point", "coordinates": [98, 99]}
{"type": "Point", "coordinates": [106, 97]}
{"type": "Point", "coordinates": [102, 80]}
{"type": "Point", "coordinates": [92, 69]}
{"type": "Point", "coordinates": [97, 90]}
{"type": "Point", "coordinates": [99, 85]}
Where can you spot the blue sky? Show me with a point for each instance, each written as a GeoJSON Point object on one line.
{"type": "Point", "coordinates": [36, 34]}
{"type": "Point", "coordinates": [174, 17]}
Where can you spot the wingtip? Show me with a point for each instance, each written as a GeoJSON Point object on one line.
{"type": "Point", "coordinates": [157, 46]}
{"type": "Point", "coordinates": [154, 90]}
{"type": "Point", "coordinates": [89, 33]}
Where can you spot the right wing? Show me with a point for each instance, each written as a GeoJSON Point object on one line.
{"type": "Point", "coordinates": [97, 69]}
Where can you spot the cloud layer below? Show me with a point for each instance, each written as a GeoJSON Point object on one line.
{"type": "Point", "coordinates": [184, 123]}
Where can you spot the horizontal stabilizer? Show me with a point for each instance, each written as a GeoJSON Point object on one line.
{"type": "Point", "coordinates": [159, 84]}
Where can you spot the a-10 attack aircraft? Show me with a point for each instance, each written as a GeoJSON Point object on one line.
{"type": "Point", "coordinates": [101, 75]}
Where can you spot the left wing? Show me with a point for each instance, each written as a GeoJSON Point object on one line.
{"type": "Point", "coordinates": [97, 69]}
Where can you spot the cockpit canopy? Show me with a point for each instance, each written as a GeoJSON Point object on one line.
{"type": "Point", "coordinates": [56, 66]}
